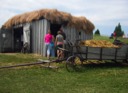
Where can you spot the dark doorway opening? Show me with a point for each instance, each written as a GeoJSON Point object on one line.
{"type": "Point", "coordinates": [55, 28]}
{"type": "Point", "coordinates": [18, 39]}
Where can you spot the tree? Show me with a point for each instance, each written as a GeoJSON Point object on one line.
{"type": "Point", "coordinates": [97, 32]}
{"type": "Point", "coordinates": [118, 30]}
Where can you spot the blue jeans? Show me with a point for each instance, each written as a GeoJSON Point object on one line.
{"type": "Point", "coordinates": [53, 51]}
{"type": "Point", "coordinates": [48, 49]}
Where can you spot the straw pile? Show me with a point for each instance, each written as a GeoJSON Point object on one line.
{"type": "Point", "coordinates": [98, 43]}
{"type": "Point", "coordinates": [54, 16]}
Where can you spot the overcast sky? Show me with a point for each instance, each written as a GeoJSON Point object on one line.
{"type": "Point", "coordinates": [105, 14]}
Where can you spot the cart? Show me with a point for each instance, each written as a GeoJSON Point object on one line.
{"type": "Point", "coordinates": [79, 54]}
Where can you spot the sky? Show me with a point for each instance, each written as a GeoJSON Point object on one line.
{"type": "Point", "coordinates": [104, 14]}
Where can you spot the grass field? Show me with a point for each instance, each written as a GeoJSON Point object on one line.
{"type": "Point", "coordinates": [92, 78]}
{"type": "Point", "coordinates": [96, 37]}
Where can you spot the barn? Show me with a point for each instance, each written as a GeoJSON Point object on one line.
{"type": "Point", "coordinates": [32, 26]}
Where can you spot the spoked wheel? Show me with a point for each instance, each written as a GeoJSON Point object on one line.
{"type": "Point", "coordinates": [73, 63]}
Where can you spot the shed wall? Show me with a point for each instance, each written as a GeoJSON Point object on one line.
{"type": "Point", "coordinates": [6, 41]}
{"type": "Point", "coordinates": [72, 34]}
{"type": "Point", "coordinates": [38, 30]}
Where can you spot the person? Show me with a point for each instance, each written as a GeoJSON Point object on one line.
{"type": "Point", "coordinates": [59, 43]}
{"type": "Point", "coordinates": [114, 34]}
{"type": "Point", "coordinates": [47, 39]}
{"type": "Point", "coordinates": [52, 46]}
{"type": "Point", "coordinates": [111, 37]}
{"type": "Point", "coordinates": [63, 34]}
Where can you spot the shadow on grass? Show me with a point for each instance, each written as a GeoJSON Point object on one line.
{"type": "Point", "coordinates": [105, 65]}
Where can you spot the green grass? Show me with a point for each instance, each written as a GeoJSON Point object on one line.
{"type": "Point", "coordinates": [96, 37]}
{"type": "Point", "coordinates": [92, 78]}
{"type": "Point", "coordinates": [6, 59]}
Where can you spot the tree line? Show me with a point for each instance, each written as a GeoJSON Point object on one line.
{"type": "Point", "coordinates": [118, 30]}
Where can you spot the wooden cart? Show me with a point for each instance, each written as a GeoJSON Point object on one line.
{"type": "Point", "coordinates": [82, 53]}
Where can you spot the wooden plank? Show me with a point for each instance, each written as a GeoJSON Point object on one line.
{"type": "Point", "coordinates": [19, 65]}
{"type": "Point", "coordinates": [53, 67]}
{"type": "Point", "coordinates": [45, 61]}
{"type": "Point", "coordinates": [40, 61]}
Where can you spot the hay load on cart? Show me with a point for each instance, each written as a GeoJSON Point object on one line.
{"type": "Point", "coordinates": [98, 43]}
{"type": "Point", "coordinates": [103, 50]}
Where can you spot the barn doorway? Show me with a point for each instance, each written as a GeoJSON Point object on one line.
{"type": "Point", "coordinates": [55, 28]}
{"type": "Point", "coordinates": [18, 39]}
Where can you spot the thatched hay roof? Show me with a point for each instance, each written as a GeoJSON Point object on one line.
{"type": "Point", "coordinates": [54, 16]}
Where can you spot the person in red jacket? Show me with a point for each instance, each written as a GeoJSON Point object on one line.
{"type": "Point", "coordinates": [114, 34]}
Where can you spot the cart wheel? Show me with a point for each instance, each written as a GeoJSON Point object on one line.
{"type": "Point", "coordinates": [73, 63]}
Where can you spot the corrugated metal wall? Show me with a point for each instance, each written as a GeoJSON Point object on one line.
{"type": "Point", "coordinates": [38, 30]}
{"type": "Point", "coordinates": [6, 41]}
{"type": "Point", "coordinates": [72, 34]}
{"type": "Point", "coordinates": [85, 36]}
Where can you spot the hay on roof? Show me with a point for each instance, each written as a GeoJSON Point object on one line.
{"type": "Point", "coordinates": [33, 16]}
{"type": "Point", "coordinates": [15, 20]}
{"type": "Point", "coordinates": [65, 16]}
{"type": "Point", "coordinates": [89, 26]}
{"type": "Point", "coordinates": [24, 17]}
{"type": "Point", "coordinates": [78, 23]}
{"type": "Point", "coordinates": [54, 16]}
{"type": "Point", "coordinates": [7, 24]}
